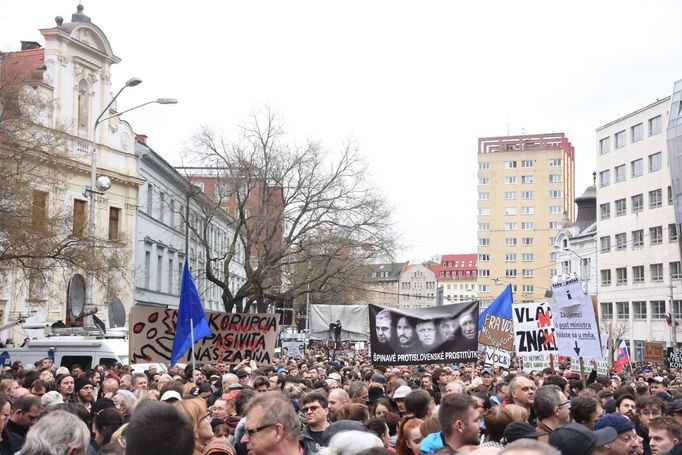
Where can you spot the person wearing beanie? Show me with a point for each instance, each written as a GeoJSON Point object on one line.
{"type": "Point", "coordinates": [85, 392]}
{"type": "Point", "coordinates": [575, 439]}
{"type": "Point", "coordinates": [65, 385]}
{"type": "Point", "coordinates": [627, 442]}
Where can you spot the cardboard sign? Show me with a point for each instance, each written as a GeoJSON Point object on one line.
{"type": "Point", "coordinates": [496, 357]}
{"type": "Point", "coordinates": [235, 337]}
{"type": "Point", "coordinates": [440, 334]}
{"type": "Point", "coordinates": [567, 291]}
{"type": "Point", "coordinates": [534, 331]}
{"type": "Point", "coordinates": [497, 332]}
{"type": "Point", "coordinates": [577, 333]}
{"type": "Point", "coordinates": [653, 351]}
{"type": "Point", "coordinates": [673, 358]}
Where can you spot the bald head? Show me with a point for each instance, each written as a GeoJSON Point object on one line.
{"type": "Point", "coordinates": [337, 398]}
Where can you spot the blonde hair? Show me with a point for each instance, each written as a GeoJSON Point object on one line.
{"type": "Point", "coordinates": [195, 409]}
{"type": "Point", "coordinates": [518, 413]}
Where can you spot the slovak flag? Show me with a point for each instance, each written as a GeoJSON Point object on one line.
{"type": "Point", "coordinates": [622, 357]}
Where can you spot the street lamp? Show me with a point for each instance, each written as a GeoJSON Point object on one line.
{"type": "Point", "coordinates": [99, 186]}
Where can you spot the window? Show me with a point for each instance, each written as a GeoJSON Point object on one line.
{"type": "Point", "coordinates": [484, 196]}
{"type": "Point", "coordinates": [528, 288]}
{"type": "Point", "coordinates": [675, 270]}
{"type": "Point", "coordinates": [527, 210]}
{"type": "Point", "coordinates": [637, 168]}
{"type": "Point", "coordinates": [150, 199]}
{"type": "Point", "coordinates": [654, 125]}
{"type": "Point", "coordinates": [656, 235]}
{"type": "Point", "coordinates": [637, 132]}
{"type": "Point", "coordinates": [527, 257]}
{"type": "Point", "coordinates": [147, 268]}
{"type": "Point", "coordinates": [114, 223]}
{"type": "Point", "coordinates": [657, 309]}
{"type": "Point", "coordinates": [604, 178]}
{"type": "Point", "coordinates": [656, 272]}
{"type": "Point", "coordinates": [510, 273]}
{"type": "Point", "coordinates": [655, 162]}
{"type": "Point", "coordinates": [510, 179]}
{"type": "Point", "coordinates": [637, 203]}
{"type": "Point", "coordinates": [639, 310]}
{"type": "Point", "coordinates": [526, 195]}
{"type": "Point", "coordinates": [510, 211]}
{"type": "Point", "coordinates": [484, 257]}
{"type": "Point", "coordinates": [638, 274]}
{"type": "Point", "coordinates": [483, 165]}
{"type": "Point", "coordinates": [510, 164]}
{"type": "Point", "coordinates": [677, 309]}
{"type": "Point", "coordinates": [510, 195]}
{"type": "Point", "coordinates": [621, 241]}
{"type": "Point", "coordinates": [484, 212]}
{"type": "Point", "coordinates": [162, 208]}
{"type": "Point", "coordinates": [672, 232]}
{"type": "Point", "coordinates": [555, 209]}
{"type": "Point", "coordinates": [623, 310]}
{"type": "Point", "coordinates": [619, 139]}
{"type": "Point", "coordinates": [555, 194]}
{"type": "Point", "coordinates": [527, 225]}
{"type": "Point", "coordinates": [484, 180]}
{"type": "Point", "coordinates": [620, 173]}
{"type": "Point", "coordinates": [638, 238]}
{"type": "Point", "coordinates": [39, 209]}
{"type": "Point", "coordinates": [621, 208]}
{"type": "Point", "coordinates": [604, 145]}
{"type": "Point", "coordinates": [527, 241]}
{"type": "Point", "coordinates": [510, 257]}
{"type": "Point", "coordinates": [509, 226]}
{"type": "Point", "coordinates": [159, 271]}
{"type": "Point", "coordinates": [670, 195]}
{"type": "Point", "coordinates": [527, 163]}
{"type": "Point", "coordinates": [483, 288]}
{"type": "Point", "coordinates": [606, 310]}
{"type": "Point", "coordinates": [483, 226]}
{"type": "Point", "coordinates": [555, 225]}
{"type": "Point", "coordinates": [483, 242]}
{"type": "Point", "coordinates": [555, 162]}
{"type": "Point", "coordinates": [528, 273]}
{"type": "Point", "coordinates": [510, 241]}
{"type": "Point", "coordinates": [655, 198]}
{"type": "Point", "coordinates": [526, 179]}
{"type": "Point", "coordinates": [605, 243]}
{"type": "Point", "coordinates": [552, 256]}
{"type": "Point", "coordinates": [80, 217]}
{"type": "Point", "coordinates": [555, 178]}
{"type": "Point", "coordinates": [621, 276]}
{"type": "Point", "coordinates": [605, 277]}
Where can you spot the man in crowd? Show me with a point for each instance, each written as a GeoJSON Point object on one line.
{"type": "Point", "coordinates": [315, 411]}
{"type": "Point", "coordinates": [627, 442]}
{"type": "Point", "coordinates": [85, 392]}
{"type": "Point", "coordinates": [586, 410]}
{"type": "Point", "coordinates": [552, 409]}
{"type": "Point", "coordinates": [664, 433]}
{"type": "Point", "coordinates": [139, 381]}
{"type": "Point", "coordinates": [626, 405]}
{"type": "Point", "coordinates": [337, 398]}
{"type": "Point", "coordinates": [272, 426]}
{"type": "Point", "coordinates": [459, 421]}
{"type": "Point", "coordinates": [358, 392]}
{"type": "Point", "coordinates": [24, 415]}
{"type": "Point", "coordinates": [522, 391]}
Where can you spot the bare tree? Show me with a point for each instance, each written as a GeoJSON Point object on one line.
{"type": "Point", "coordinates": [613, 331]}
{"type": "Point", "coordinates": [303, 221]}
{"type": "Point", "coordinates": [38, 233]}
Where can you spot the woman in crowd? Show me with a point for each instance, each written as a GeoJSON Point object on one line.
{"type": "Point", "coordinates": [197, 412]}
{"type": "Point", "coordinates": [409, 437]}
{"type": "Point", "coordinates": [104, 425]}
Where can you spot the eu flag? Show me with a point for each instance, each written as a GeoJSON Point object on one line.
{"type": "Point", "coordinates": [190, 310]}
{"type": "Point", "coordinates": [501, 306]}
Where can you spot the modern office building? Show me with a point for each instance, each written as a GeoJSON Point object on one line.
{"type": "Point", "coordinates": [638, 255]}
{"type": "Point", "coordinates": [526, 187]}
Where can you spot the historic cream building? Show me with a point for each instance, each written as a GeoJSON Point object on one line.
{"type": "Point", "coordinates": [72, 72]}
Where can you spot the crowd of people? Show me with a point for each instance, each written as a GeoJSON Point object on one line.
{"type": "Point", "coordinates": [314, 405]}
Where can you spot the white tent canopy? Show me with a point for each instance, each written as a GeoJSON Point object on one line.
{"type": "Point", "coordinates": [354, 321]}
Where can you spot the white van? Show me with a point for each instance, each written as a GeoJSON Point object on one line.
{"type": "Point", "coordinates": [66, 351]}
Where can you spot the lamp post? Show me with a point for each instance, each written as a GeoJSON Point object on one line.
{"type": "Point", "coordinates": [99, 186]}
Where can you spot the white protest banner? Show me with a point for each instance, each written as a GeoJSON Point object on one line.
{"type": "Point", "coordinates": [533, 329]}
{"type": "Point", "coordinates": [577, 334]}
{"type": "Point", "coordinates": [496, 357]}
{"type": "Point", "coordinates": [535, 362]}
{"type": "Point", "coordinates": [567, 291]}
{"type": "Point", "coordinates": [602, 366]}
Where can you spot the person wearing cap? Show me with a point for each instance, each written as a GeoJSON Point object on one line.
{"type": "Point", "coordinates": [552, 409]}
{"type": "Point", "coordinates": [575, 439]}
{"type": "Point", "coordinates": [627, 442]}
{"type": "Point", "coordinates": [399, 398]}
{"type": "Point", "coordinates": [171, 396]}
{"type": "Point", "coordinates": [674, 410]}
{"type": "Point", "coordinates": [242, 376]}
{"type": "Point", "coordinates": [658, 384]}
{"type": "Point", "coordinates": [85, 393]}
{"type": "Point", "coordinates": [520, 430]}
{"type": "Point", "coordinates": [664, 434]}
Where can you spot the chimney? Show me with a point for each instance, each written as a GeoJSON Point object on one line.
{"type": "Point", "coordinates": [141, 138]}
{"type": "Point", "coordinates": [27, 45]}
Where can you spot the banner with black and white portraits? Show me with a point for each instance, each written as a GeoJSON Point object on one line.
{"type": "Point", "coordinates": [439, 334]}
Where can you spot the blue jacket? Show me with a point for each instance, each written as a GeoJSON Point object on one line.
{"type": "Point", "coordinates": [431, 443]}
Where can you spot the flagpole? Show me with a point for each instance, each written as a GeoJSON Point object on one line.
{"type": "Point", "coordinates": [194, 361]}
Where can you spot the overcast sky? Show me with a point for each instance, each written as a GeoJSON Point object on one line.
{"type": "Point", "coordinates": [414, 83]}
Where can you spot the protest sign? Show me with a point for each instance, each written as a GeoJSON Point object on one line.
{"type": "Point", "coordinates": [602, 366]}
{"type": "Point", "coordinates": [293, 348]}
{"type": "Point", "coordinates": [497, 332]}
{"type": "Point", "coordinates": [577, 334]}
{"type": "Point", "coordinates": [673, 358]}
{"type": "Point", "coordinates": [496, 357]}
{"type": "Point", "coordinates": [533, 329]}
{"type": "Point", "coordinates": [235, 337]}
{"type": "Point", "coordinates": [441, 334]}
{"type": "Point", "coordinates": [653, 351]}
{"type": "Point", "coordinates": [567, 291]}
{"type": "Point", "coordinates": [537, 362]}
